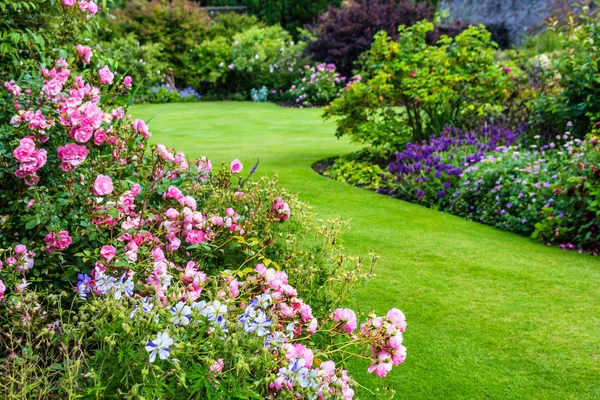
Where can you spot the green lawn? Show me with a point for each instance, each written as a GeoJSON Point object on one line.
{"type": "Point", "coordinates": [490, 314]}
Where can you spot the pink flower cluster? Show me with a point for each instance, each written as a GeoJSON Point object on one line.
{"type": "Point", "coordinates": [386, 335]}
{"type": "Point", "coordinates": [22, 260]}
{"type": "Point", "coordinates": [191, 225]}
{"type": "Point", "coordinates": [286, 303]}
{"type": "Point", "coordinates": [140, 127]}
{"type": "Point", "coordinates": [84, 5]}
{"type": "Point", "coordinates": [13, 88]}
{"type": "Point", "coordinates": [281, 209]}
{"type": "Point", "coordinates": [30, 160]}
{"type": "Point", "coordinates": [57, 241]}
{"type": "Point", "coordinates": [84, 53]}
{"type": "Point", "coordinates": [55, 78]}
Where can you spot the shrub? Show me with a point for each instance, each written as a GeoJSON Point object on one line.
{"type": "Point", "coordinates": [228, 24]}
{"type": "Point", "coordinates": [130, 271]}
{"type": "Point", "coordinates": [575, 71]}
{"type": "Point", "coordinates": [33, 32]}
{"type": "Point", "coordinates": [145, 64]}
{"type": "Point", "coordinates": [344, 33]}
{"type": "Point", "coordinates": [256, 57]}
{"type": "Point", "coordinates": [363, 174]}
{"type": "Point", "coordinates": [316, 86]}
{"type": "Point", "coordinates": [177, 25]}
{"type": "Point", "coordinates": [454, 83]}
{"type": "Point", "coordinates": [290, 14]}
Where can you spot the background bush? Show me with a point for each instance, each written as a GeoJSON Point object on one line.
{"type": "Point", "coordinates": [344, 33]}
{"type": "Point", "coordinates": [456, 82]}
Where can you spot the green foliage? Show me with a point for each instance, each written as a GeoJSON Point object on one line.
{"type": "Point", "coordinates": [546, 41]}
{"type": "Point", "coordinates": [177, 25]}
{"type": "Point", "coordinates": [453, 83]}
{"type": "Point", "coordinates": [228, 24]}
{"type": "Point", "coordinates": [254, 58]}
{"type": "Point", "coordinates": [363, 174]}
{"type": "Point", "coordinates": [574, 71]}
{"type": "Point", "coordinates": [290, 14]}
{"type": "Point", "coordinates": [145, 64]}
{"type": "Point", "coordinates": [36, 31]}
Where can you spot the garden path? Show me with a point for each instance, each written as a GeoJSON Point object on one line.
{"type": "Point", "coordinates": [490, 314]}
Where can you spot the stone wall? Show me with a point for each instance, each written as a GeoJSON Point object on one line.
{"type": "Point", "coordinates": [517, 15]}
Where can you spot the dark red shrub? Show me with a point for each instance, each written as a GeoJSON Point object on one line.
{"type": "Point", "coordinates": [344, 33]}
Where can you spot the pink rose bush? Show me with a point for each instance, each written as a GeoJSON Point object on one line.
{"type": "Point", "coordinates": [173, 262]}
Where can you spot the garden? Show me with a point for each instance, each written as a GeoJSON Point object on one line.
{"type": "Point", "coordinates": [329, 200]}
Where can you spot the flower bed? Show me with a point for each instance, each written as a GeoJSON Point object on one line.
{"type": "Point", "coordinates": [546, 189]}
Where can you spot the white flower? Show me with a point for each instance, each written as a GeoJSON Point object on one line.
{"type": "Point", "coordinates": [261, 324]}
{"type": "Point", "coordinates": [124, 287]}
{"type": "Point", "coordinates": [159, 346]}
{"type": "Point", "coordinates": [215, 310]}
{"type": "Point", "coordinates": [105, 283]}
{"type": "Point", "coordinates": [181, 313]}
{"type": "Point", "coordinates": [264, 300]}
{"type": "Point", "coordinates": [201, 307]}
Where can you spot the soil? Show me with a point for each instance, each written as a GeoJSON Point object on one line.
{"type": "Point", "coordinates": [321, 166]}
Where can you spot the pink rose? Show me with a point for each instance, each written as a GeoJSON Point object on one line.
{"type": "Point", "coordinates": [397, 318]}
{"type": "Point", "coordinates": [106, 77]}
{"type": "Point", "coordinates": [92, 8]}
{"type": "Point", "coordinates": [99, 137]}
{"type": "Point", "coordinates": [261, 269]}
{"type": "Point", "coordinates": [69, 3]}
{"type": "Point", "coordinates": [507, 70]}
{"type": "Point", "coordinates": [399, 355]}
{"type": "Point", "coordinates": [234, 288]}
{"type": "Point", "coordinates": [281, 208]}
{"type": "Point", "coordinates": [127, 81]}
{"type": "Point", "coordinates": [312, 327]}
{"type": "Point", "coordinates": [108, 252]}
{"type": "Point", "coordinates": [85, 53]}
{"type": "Point", "coordinates": [140, 127]}
{"type": "Point", "coordinates": [103, 185]}
{"type": "Point", "coordinates": [236, 166]}
{"type": "Point", "coordinates": [25, 150]}
{"type": "Point", "coordinates": [57, 241]}
{"type": "Point", "coordinates": [395, 342]}
{"type": "Point", "coordinates": [347, 317]}
{"type": "Point", "coordinates": [218, 221]}
{"type": "Point", "coordinates": [136, 189]}
{"type": "Point", "coordinates": [71, 156]}
{"type": "Point", "coordinates": [189, 201]}
{"type": "Point", "coordinates": [173, 193]}
{"type": "Point", "coordinates": [20, 249]}
{"type": "Point", "coordinates": [172, 214]}
{"type": "Point", "coordinates": [2, 289]}
{"type": "Point", "coordinates": [82, 134]}
{"type": "Point", "coordinates": [195, 237]}
{"type": "Point", "coordinates": [217, 366]}
{"type": "Point", "coordinates": [306, 312]}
